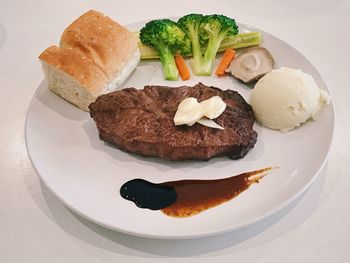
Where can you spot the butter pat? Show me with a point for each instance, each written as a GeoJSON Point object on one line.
{"type": "Point", "coordinates": [191, 111]}
{"type": "Point", "coordinates": [213, 107]}
{"type": "Point", "coordinates": [188, 112]}
{"type": "Point", "coordinates": [209, 123]}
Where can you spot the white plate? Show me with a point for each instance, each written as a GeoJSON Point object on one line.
{"type": "Point", "coordinates": [86, 173]}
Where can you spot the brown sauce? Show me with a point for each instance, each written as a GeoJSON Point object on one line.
{"type": "Point", "coordinates": [186, 198]}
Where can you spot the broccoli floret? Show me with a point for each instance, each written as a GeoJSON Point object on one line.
{"type": "Point", "coordinates": [190, 24]}
{"type": "Point", "coordinates": [214, 29]}
{"type": "Point", "coordinates": [168, 39]}
{"type": "Point", "coordinates": [206, 34]}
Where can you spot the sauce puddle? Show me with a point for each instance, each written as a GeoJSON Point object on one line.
{"type": "Point", "coordinates": [186, 198]}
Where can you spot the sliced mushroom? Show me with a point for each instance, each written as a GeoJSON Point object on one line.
{"type": "Point", "coordinates": [251, 64]}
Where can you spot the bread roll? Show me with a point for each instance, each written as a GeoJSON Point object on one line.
{"type": "Point", "coordinates": [95, 56]}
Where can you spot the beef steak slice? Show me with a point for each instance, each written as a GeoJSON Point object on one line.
{"type": "Point", "coordinates": [141, 121]}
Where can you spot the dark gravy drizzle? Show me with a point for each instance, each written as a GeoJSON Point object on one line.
{"type": "Point", "coordinates": [186, 198]}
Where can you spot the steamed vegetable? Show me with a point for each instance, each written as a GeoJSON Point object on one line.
{"type": "Point", "coordinates": [182, 67]}
{"type": "Point", "coordinates": [191, 25]}
{"type": "Point", "coordinates": [213, 30]}
{"type": "Point", "coordinates": [168, 39]}
{"type": "Point", "coordinates": [206, 33]}
{"type": "Point", "coordinates": [196, 35]}
{"type": "Point", "coordinates": [225, 61]}
{"type": "Point", "coordinates": [237, 41]}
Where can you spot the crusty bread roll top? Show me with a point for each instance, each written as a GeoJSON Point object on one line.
{"type": "Point", "coordinates": [95, 55]}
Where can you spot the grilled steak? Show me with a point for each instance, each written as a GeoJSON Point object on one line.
{"type": "Point", "coordinates": [141, 121]}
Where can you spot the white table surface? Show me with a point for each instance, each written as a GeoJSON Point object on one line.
{"type": "Point", "coordinates": [36, 227]}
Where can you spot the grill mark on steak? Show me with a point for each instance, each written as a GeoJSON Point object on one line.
{"type": "Point", "coordinates": [141, 122]}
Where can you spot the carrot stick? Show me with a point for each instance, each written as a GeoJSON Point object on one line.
{"type": "Point", "coordinates": [182, 67]}
{"type": "Point", "coordinates": [225, 61]}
